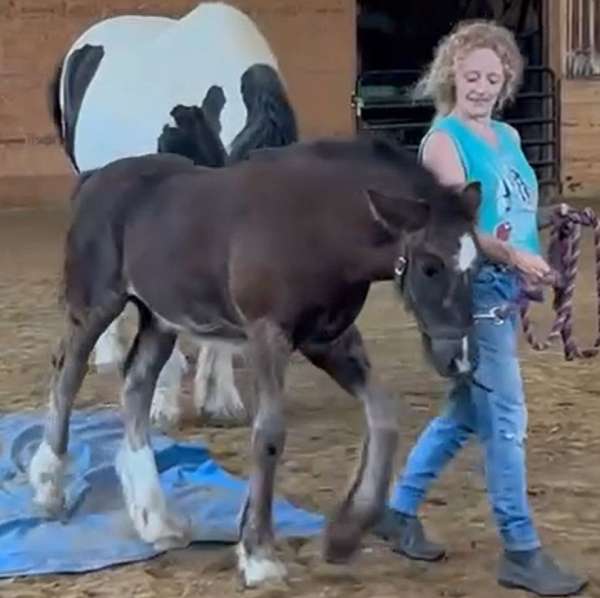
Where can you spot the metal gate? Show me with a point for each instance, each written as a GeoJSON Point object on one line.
{"type": "Point", "coordinates": [382, 102]}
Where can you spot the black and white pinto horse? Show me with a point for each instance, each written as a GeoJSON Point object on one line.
{"type": "Point", "coordinates": [206, 86]}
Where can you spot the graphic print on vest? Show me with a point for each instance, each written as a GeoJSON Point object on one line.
{"type": "Point", "coordinates": [513, 195]}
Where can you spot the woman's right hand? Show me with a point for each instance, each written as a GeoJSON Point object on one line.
{"type": "Point", "coordinates": [532, 266]}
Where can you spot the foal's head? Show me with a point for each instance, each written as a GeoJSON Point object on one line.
{"type": "Point", "coordinates": [437, 252]}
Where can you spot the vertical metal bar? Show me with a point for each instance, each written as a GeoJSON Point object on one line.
{"type": "Point", "coordinates": [592, 35]}
{"type": "Point", "coordinates": [591, 14]}
{"type": "Point", "coordinates": [580, 26]}
{"type": "Point", "coordinates": [568, 57]}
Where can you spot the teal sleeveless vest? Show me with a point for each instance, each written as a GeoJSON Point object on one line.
{"type": "Point", "coordinates": [509, 185]}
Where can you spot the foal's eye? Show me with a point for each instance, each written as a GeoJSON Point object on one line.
{"type": "Point", "coordinates": [430, 265]}
{"type": "Point", "coordinates": [430, 270]}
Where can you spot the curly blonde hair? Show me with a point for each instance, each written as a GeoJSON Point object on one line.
{"type": "Point", "coordinates": [438, 81]}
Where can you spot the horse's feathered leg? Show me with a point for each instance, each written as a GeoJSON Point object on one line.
{"type": "Point", "coordinates": [136, 465]}
{"type": "Point", "coordinates": [346, 361]}
{"type": "Point", "coordinates": [215, 393]}
{"type": "Point", "coordinates": [167, 409]}
{"type": "Point", "coordinates": [268, 350]}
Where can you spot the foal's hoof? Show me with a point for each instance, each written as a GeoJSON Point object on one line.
{"type": "Point", "coordinates": [260, 567]}
{"type": "Point", "coordinates": [342, 541]}
{"type": "Point", "coordinates": [176, 540]}
{"type": "Point", "coordinates": [175, 533]}
{"type": "Point", "coordinates": [163, 530]}
{"type": "Point", "coordinates": [50, 500]}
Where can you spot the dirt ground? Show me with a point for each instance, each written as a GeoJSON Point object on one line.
{"type": "Point", "coordinates": [324, 435]}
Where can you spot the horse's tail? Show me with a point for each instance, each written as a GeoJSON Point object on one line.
{"type": "Point", "coordinates": [82, 177]}
{"type": "Point", "coordinates": [271, 121]}
{"type": "Point", "coordinates": [53, 97]}
{"type": "Point", "coordinates": [78, 70]}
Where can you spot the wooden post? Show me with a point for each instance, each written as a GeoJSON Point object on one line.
{"type": "Point", "coordinates": [555, 18]}
{"type": "Point", "coordinates": [555, 22]}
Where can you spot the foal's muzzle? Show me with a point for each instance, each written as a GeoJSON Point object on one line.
{"type": "Point", "coordinates": [453, 357]}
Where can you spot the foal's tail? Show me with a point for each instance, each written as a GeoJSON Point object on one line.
{"type": "Point", "coordinates": [68, 264]}
{"type": "Point", "coordinates": [92, 248]}
{"type": "Point", "coordinates": [271, 121]}
{"type": "Point", "coordinates": [82, 177]}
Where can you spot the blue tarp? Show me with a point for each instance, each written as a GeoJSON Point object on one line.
{"type": "Point", "coordinates": [96, 531]}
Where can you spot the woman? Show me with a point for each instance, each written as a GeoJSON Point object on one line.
{"type": "Point", "coordinates": [476, 69]}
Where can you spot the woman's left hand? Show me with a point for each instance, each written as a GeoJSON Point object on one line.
{"type": "Point", "coordinates": [533, 267]}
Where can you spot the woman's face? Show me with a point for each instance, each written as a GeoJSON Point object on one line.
{"type": "Point", "coordinates": [479, 79]}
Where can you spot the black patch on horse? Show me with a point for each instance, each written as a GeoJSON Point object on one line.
{"type": "Point", "coordinates": [195, 135]}
{"type": "Point", "coordinates": [53, 97]}
{"type": "Point", "coordinates": [271, 121]}
{"type": "Point", "coordinates": [212, 106]}
{"type": "Point", "coordinates": [80, 70]}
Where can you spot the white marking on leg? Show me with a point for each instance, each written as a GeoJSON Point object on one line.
{"type": "Point", "coordinates": [145, 499]}
{"type": "Point", "coordinates": [380, 417]}
{"type": "Point", "coordinates": [463, 365]}
{"type": "Point", "coordinates": [166, 410]}
{"type": "Point", "coordinates": [202, 379]}
{"type": "Point", "coordinates": [467, 253]}
{"type": "Point", "coordinates": [46, 476]}
{"type": "Point", "coordinates": [258, 568]}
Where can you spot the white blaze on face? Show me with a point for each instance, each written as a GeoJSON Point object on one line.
{"type": "Point", "coordinates": [467, 252]}
{"type": "Point", "coordinates": [462, 364]}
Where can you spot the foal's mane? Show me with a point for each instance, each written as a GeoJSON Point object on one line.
{"type": "Point", "coordinates": [365, 147]}
{"type": "Point", "coordinates": [379, 149]}
{"type": "Point", "coordinates": [369, 148]}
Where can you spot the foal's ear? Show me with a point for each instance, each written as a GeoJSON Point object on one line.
{"type": "Point", "coordinates": [397, 214]}
{"type": "Point", "coordinates": [471, 198]}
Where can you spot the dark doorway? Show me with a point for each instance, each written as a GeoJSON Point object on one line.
{"type": "Point", "coordinates": [403, 34]}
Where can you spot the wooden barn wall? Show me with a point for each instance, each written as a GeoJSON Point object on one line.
{"type": "Point", "coordinates": [314, 41]}
{"type": "Point", "coordinates": [580, 111]}
{"type": "Point", "coordinates": [580, 133]}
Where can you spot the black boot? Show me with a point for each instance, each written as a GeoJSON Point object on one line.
{"type": "Point", "coordinates": [407, 537]}
{"type": "Point", "coordinates": [536, 571]}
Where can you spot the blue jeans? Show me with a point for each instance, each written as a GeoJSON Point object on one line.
{"type": "Point", "coordinates": [498, 417]}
